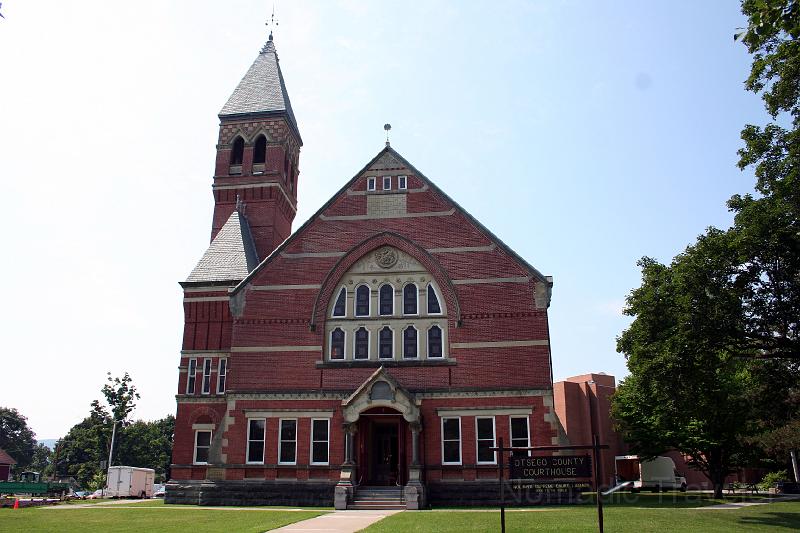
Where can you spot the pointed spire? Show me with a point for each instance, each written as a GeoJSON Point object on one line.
{"type": "Point", "coordinates": [269, 47]}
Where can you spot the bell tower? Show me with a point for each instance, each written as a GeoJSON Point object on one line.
{"type": "Point", "coordinates": [257, 155]}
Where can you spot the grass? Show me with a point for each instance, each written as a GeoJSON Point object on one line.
{"type": "Point", "coordinates": [648, 514]}
{"type": "Point", "coordinates": [127, 518]}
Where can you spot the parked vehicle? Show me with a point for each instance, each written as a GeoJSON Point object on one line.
{"type": "Point", "coordinates": [653, 474]}
{"type": "Point", "coordinates": [130, 482]}
{"type": "Point", "coordinates": [32, 483]}
{"type": "Point", "coordinates": [95, 495]}
{"type": "Point", "coordinates": [159, 491]}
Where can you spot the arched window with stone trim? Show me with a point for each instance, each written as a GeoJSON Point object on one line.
{"type": "Point", "coordinates": [337, 344]}
{"type": "Point", "coordinates": [376, 300]}
{"type": "Point", "coordinates": [237, 151]}
{"type": "Point", "coordinates": [386, 343]}
{"type": "Point", "coordinates": [386, 300]}
{"type": "Point", "coordinates": [362, 300]}
{"type": "Point", "coordinates": [435, 342]}
{"type": "Point", "coordinates": [410, 343]}
{"type": "Point", "coordinates": [410, 297]}
{"type": "Point", "coordinates": [434, 307]}
{"type": "Point", "coordinates": [340, 307]}
{"type": "Point", "coordinates": [361, 343]}
{"type": "Point", "coordinates": [260, 150]}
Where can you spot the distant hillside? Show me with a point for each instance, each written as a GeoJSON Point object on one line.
{"type": "Point", "coordinates": [50, 443]}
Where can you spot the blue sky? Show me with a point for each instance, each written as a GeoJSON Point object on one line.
{"type": "Point", "coordinates": [584, 134]}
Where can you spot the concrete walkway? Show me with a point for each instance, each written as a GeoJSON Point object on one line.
{"type": "Point", "coordinates": [338, 522]}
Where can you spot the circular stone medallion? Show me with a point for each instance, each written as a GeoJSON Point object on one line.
{"type": "Point", "coordinates": [386, 257]}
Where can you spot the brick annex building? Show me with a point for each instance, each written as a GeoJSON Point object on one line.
{"type": "Point", "coordinates": [389, 342]}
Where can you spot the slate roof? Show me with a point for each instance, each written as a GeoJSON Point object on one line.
{"type": "Point", "coordinates": [6, 459]}
{"type": "Point", "coordinates": [262, 90]}
{"type": "Point", "coordinates": [230, 256]}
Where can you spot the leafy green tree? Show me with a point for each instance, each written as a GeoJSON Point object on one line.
{"type": "Point", "coordinates": [85, 445]}
{"type": "Point", "coordinates": [689, 384]}
{"type": "Point", "coordinates": [148, 445]}
{"type": "Point", "coordinates": [16, 438]}
{"type": "Point", "coordinates": [40, 462]}
{"type": "Point", "coordinates": [121, 396]}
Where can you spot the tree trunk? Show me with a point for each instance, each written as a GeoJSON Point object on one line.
{"type": "Point", "coordinates": [716, 473]}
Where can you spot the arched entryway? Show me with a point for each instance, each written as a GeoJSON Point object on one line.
{"type": "Point", "coordinates": [381, 447]}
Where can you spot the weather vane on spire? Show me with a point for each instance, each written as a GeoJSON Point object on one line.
{"type": "Point", "coordinates": [273, 22]}
{"type": "Point", "coordinates": [386, 128]}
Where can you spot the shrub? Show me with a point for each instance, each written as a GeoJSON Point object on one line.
{"type": "Point", "coordinates": [772, 478]}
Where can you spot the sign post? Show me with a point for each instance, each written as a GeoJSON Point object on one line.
{"type": "Point", "coordinates": [557, 473]}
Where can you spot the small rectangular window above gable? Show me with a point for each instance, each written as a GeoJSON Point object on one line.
{"type": "Point", "coordinates": [387, 183]}
{"type": "Point", "coordinates": [370, 184]}
{"type": "Point", "coordinates": [402, 182]}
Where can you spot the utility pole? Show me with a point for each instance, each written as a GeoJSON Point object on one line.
{"type": "Point", "coordinates": [110, 456]}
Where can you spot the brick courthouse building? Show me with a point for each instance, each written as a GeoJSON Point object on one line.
{"type": "Point", "coordinates": [389, 342]}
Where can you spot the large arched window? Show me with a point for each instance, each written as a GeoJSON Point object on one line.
{"type": "Point", "coordinates": [340, 307]}
{"type": "Point", "coordinates": [260, 150]}
{"type": "Point", "coordinates": [386, 300]}
{"type": "Point", "coordinates": [337, 344]}
{"type": "Point", "coordinates": [362, 300]}
{"type": "Point", "coordinates": [410, 299]}
{"type": "Point", "coordinates": [410, 343]}
{"type": "Point", "coordinates": [433, 302]}
{"type": "Point", "coordinates": [434, 342]}
{"type": "Point", "coordinates": [386, 343]}
{"type": "Point", "coordinates": [237, 152]}
{"type": "Point", "coordinates": [361, 344]}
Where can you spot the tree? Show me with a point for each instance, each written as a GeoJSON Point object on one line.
{"type": "Point", "coordinates": [148, 445]}
{"type": "Point", "coordinates": [121, 396]}
{"type": "Point", "coordinates": [40, 462]}
{"type": "Point", "coordinates": [16, 438]}
{"type": "Point", "coordinates": [689, 383]}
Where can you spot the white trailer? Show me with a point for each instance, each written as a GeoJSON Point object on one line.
{"type": "Point", "coordinates": [658, 473]}
{"type": "Point", "coordinates": [130, 482]}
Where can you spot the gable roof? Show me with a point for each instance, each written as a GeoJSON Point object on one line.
{"type": "Point", "coordinates": [393, 153]}
{"type": "Point", "coordinates": [230, 256]}
{"type": "Point", "coordinates": [6, 459]}
{"type": "Point", "coordinates": [262, 89]}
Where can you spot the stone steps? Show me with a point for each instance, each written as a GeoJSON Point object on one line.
{"type": "Point", "coordinates": [366, 498]}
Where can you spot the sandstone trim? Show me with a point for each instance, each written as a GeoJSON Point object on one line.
{"type": "Point", "coordinates": [406, 215]}
{"type": "Point", "coordinates": [483, 411]}
{"type": "Point", "coordinates": [499, 344]}
{"type": "Point", "coordinates": [285, 287]}
{"type": "Point", "coordinates": [474, 281]}
{"type": "Point", "coordinates": [258, 349]}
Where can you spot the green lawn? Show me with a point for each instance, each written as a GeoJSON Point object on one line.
{"type": "Point", "coordinates": [125, 519]}
{"type": "Point", "coordinates": [775, 517]}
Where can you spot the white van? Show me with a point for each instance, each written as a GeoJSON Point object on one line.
{"type": "Point", "coordinates": [654, 474]}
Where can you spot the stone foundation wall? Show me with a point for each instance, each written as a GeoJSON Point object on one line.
{"type": "Point", "coordinates": [244, 493]}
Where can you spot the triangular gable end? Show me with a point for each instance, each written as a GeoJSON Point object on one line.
{"type": "Point", "coordinates": [386, 159]}
{"type": "Point", "coordinates": [380, 390]}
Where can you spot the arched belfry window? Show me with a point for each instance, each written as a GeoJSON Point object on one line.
{"type": "Point", "coordinates": [386, 300]}
{"type": "Point", "coordinates": [337, 344]}
{"type": "Point", "coordinates": [340, 307]}
{"type": "Point", "coordinates": [362, 300]}
{"type": "Point", "coordinates": [237, 152]}
{"type": "Point", "coordinates": [260, 150]}
{"type": "Point", "coordinates": [434, 342]}
{"type": "Point", "coordinates": [410, 299]}
{"type": "Point", "coordinates": [433, 302]}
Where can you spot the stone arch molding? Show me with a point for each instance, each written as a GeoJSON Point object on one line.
{"type": "Point", "coordinates": [398, 398]}
{"type": "Point", "coordinates": [375, 244]}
